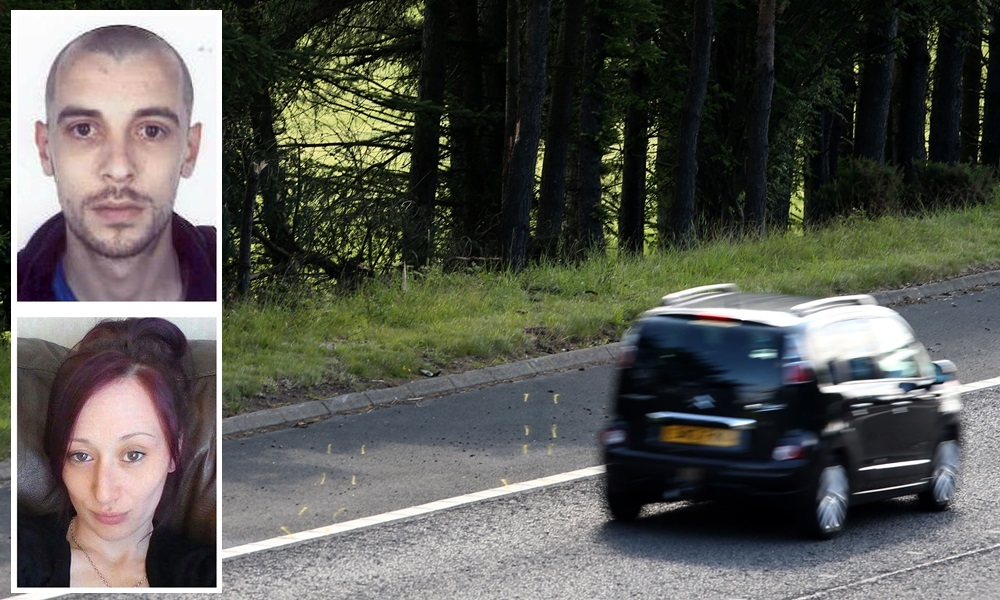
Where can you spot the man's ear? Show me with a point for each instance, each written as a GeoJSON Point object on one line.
{"type": "Point", "coordinates": [42, 143]}
{"type": "Point", "coordinates": [191, 151]}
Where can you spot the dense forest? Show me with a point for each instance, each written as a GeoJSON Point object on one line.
{"type": "Point", "coordinates": [363, 137]}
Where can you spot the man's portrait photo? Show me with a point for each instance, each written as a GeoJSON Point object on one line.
{"type": "Point", "coordinates": [116, 181]}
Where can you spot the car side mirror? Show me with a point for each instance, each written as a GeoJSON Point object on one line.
{"type": "Point", "coordinates": [944, 371]}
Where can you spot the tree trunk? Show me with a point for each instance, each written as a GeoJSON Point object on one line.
{"type": "Point", "coordinates": [273, 211]}
{"type": "Point", "coordinates": [552, 194]}
{"type": "Point", "coordinates": [991, 96]}
{"type": "Point", "coordinates": [876, 90]}
{"type": "Point", "coordinates": [912, 102]}
{"type": "Point", "coordinates": [635, 148]}
{"type": "Point", "coordinates": [760, 113]}
{"type": "Point", "coordinates": [682, 211]}
{"type": "Point", "coordinates": [467, 163]}
{"type": "Point", "coordinates": [246, 230]}
{"type": "Point", "coordinates": [972, 75]}
{"type": "Point", "coordinates": [483, 220]}
{"type": "Point", "coordinates": [425, 154]}
{"type": "Point", "coordinates": [591, 233]}
{"type": "Point", "coordinates": [520, 181]}
{"type": "Point", "coordinates": [945, 144]}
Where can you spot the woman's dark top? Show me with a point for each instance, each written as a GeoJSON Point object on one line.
{"type": "Point", "coordinates": [43, 556]}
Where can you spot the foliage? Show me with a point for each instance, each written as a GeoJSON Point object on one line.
{"type": "Point", "coordinates": [863, 187]}
{"type": "Point", "coordinates": [938, 186]}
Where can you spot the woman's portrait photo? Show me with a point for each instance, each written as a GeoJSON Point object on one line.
{"type": "Point", "coordinates": [116, 457]}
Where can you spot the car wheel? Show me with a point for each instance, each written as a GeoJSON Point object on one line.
{"type": "Point", "coordinates": [623, 506]}
{"type": "Point", "coordinates": [826, 512]}
{"type": "Point", "coordinates": [944, 477]}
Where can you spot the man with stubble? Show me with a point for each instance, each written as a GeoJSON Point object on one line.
{"type": "Point", "coordinates": [117, 141]}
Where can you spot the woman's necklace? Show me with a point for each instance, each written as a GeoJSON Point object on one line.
{"type": "Point", "coordinates": [72, 536]}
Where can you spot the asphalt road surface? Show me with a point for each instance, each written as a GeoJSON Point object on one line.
{"type": "Point", "coordinates": [556, 541]}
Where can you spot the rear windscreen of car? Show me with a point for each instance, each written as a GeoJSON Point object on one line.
{"type": "Point", "coordinates": [711, 351]}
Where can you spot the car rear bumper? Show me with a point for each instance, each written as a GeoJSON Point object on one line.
{"type": "Point", "coordinates": [666, 477]}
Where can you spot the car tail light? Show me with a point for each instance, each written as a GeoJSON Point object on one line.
{"type": "Point", "coordinates": [614, 436]}
{"type": "Point", "coordinates": [798, 372]}
{"type": "Point", "coordinates": [788, 452]}
{"type": "Point", "coordinates": [626, 357]}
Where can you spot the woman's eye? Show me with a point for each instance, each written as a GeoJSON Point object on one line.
{"type": "Point", "coordinates": [134, 456]}
{"type": "Point", "coordinates": [79, 457]}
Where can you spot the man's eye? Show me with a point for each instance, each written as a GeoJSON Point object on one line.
{"type": "Point", "coordinates": [134, 456]}
{"type": "Point", "coordinates": [152, 132]}
{"type": "Point", "coordinates": [82, 130]}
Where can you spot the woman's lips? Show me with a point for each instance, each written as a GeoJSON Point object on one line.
{"type": "Point", "coordinates": [110, 518]}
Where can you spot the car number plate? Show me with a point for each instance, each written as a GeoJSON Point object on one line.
{"type": "Point", "coordinates": [700, 436]}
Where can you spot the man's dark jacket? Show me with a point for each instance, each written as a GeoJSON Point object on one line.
{"type": "Point", "coordinates": [36, 263]}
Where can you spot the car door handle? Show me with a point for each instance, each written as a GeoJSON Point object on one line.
{"type": "Point", "coordinates": [902, 403]}
{"type": "Point", "coordinates": [861, 405]}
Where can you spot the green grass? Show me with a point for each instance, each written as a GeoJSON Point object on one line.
{"type": "Point", "coordinates": [382, 334]}
{"type": "Point", "coordinates": [5, 397]}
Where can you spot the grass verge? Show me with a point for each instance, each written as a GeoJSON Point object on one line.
{"type": "Point", "coordinates": [5, 398]}
{"type": "Point", "coordinates": [277, 352]}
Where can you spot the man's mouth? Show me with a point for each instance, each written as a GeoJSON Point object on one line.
{"type": "Point", "coordinates": [110, 518]}
{"type": "Point", "coordinates": [113, 213]}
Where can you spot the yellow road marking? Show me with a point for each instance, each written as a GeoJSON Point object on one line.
{"type": "Point", "coordinates": [304, 509]}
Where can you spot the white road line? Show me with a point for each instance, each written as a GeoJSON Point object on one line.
{"type": "Point", "coordinates": [980, 385]}
{"type": "Point", "coordinates": [407, 513]}
{"type": "Point", "coordinates": [876, 578]}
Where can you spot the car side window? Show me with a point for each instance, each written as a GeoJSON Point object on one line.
{"type": "Point", "coordinates": [846, 350]}
{"type": "Point", "coordinates": [898, 353]}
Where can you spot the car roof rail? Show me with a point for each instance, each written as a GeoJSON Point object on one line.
{"type": "Point", "coordinates": [813, 306]}
{"type": "Point", "coordinates": [704, 290]}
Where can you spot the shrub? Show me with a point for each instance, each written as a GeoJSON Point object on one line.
{"type": "Point", "coordinates": [937, 186]}
{"type": "Point", "coordinates": [862, 187]}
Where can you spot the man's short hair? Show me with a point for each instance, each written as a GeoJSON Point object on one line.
{"type": "Point", "coordinates": [119, 42]}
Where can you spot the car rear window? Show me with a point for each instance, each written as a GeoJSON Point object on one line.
{"type": "Point", "coordinates": [698, 348]}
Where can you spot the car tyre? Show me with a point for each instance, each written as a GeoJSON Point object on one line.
{"type": "Point", "coordinates": [623, 506]}
{"type": "Point", "coordinates": [944, 477]}
{"type": "Point", "coordinates": [825, 512]}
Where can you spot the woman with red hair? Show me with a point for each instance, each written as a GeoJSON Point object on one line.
{"type": "Point", "coordinates": [114, 439]}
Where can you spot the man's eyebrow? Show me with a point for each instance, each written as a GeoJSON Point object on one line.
{"type": "Point", "coordinates": [72, 112]}
{"type": "Point", "coordinates": [159, 111]}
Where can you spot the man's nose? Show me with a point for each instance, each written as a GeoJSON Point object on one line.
{"type": "Point", "coordinates": [118, 164]}
{"type": "Point", "coordinates": [107, 483]}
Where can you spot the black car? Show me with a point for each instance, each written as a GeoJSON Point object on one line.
{"type": "Point", "coordinates": [819, 404]}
